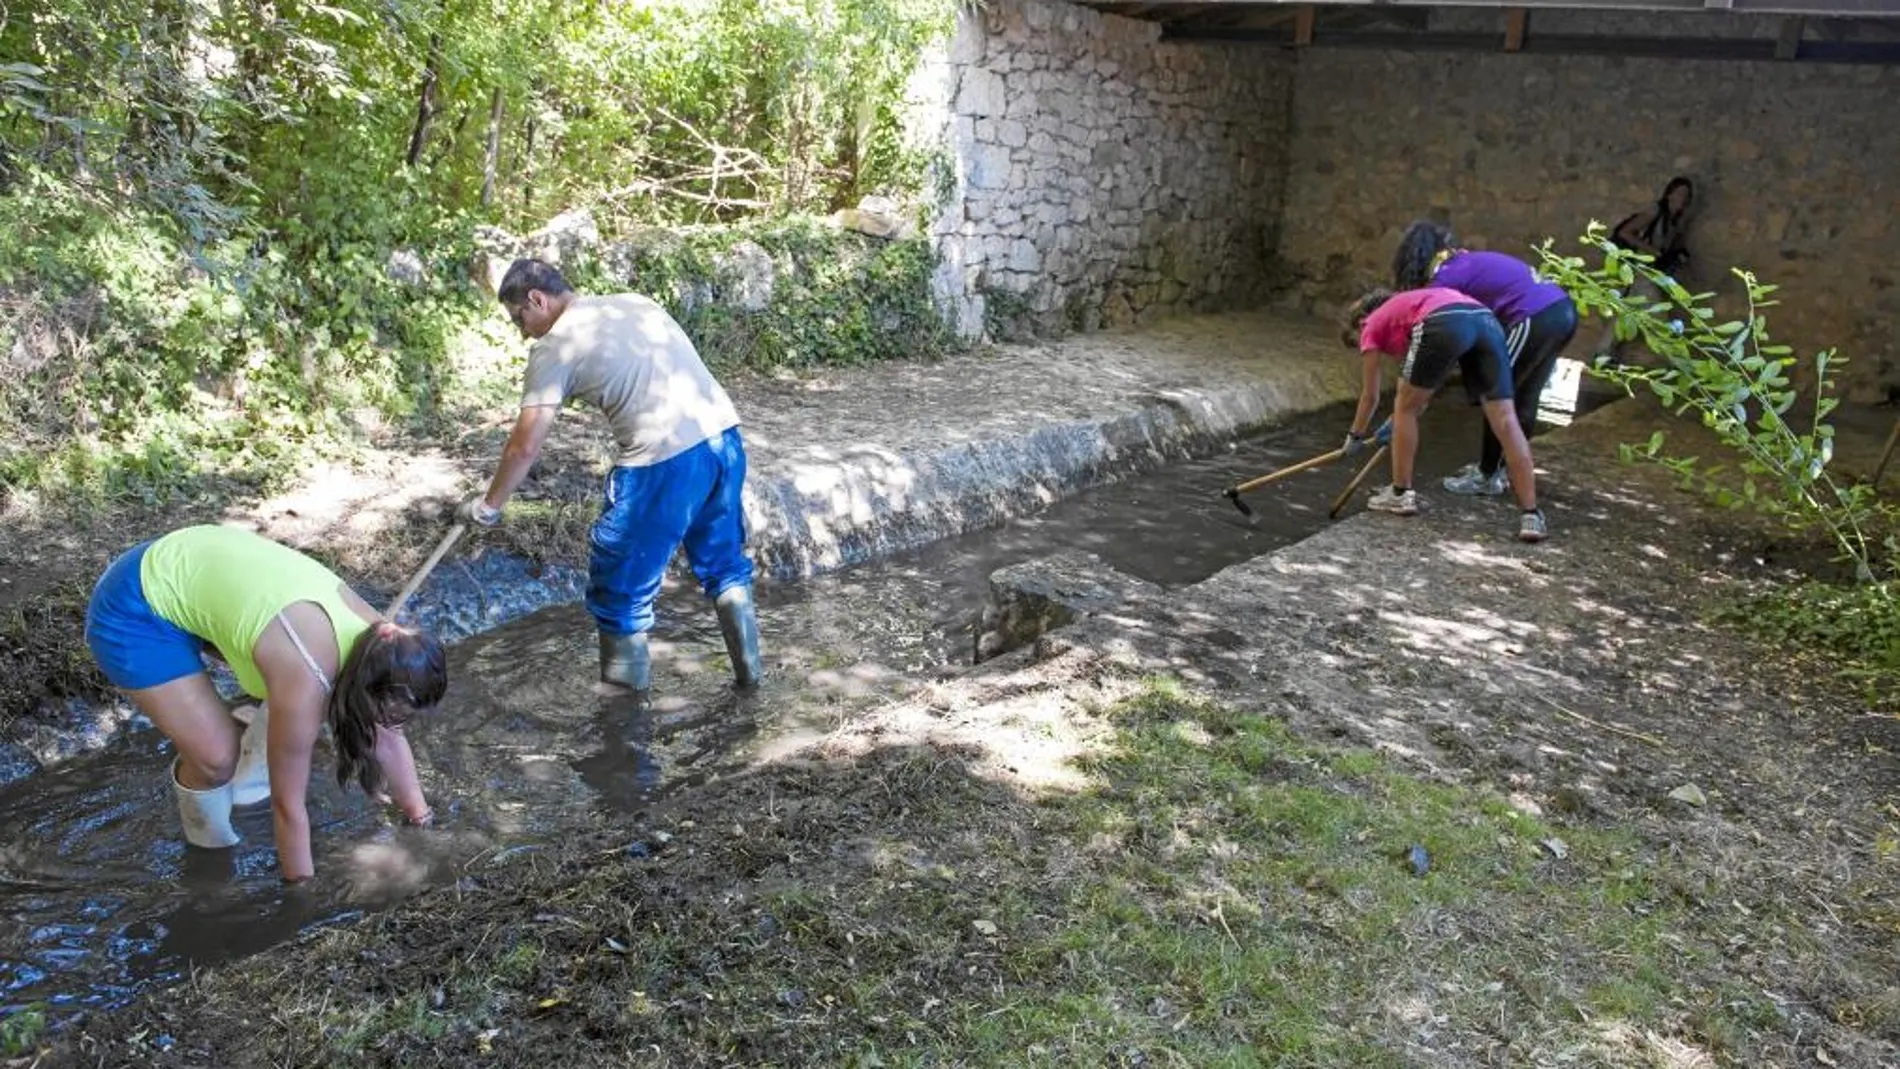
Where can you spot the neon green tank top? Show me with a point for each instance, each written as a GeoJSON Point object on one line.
{"type": "Point", "coordinates": [225, 585]}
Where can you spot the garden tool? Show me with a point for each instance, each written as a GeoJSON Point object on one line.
{"type": "Point", "coordinates": [1233, 493]}
{"type": "Point", "coordinates": [1339, 503]}
{"type": "Point", "coordinates": [415, 581]}
{"type": "Point", "coordinates": [1886, 454]}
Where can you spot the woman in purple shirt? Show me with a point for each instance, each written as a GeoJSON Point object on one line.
{"type": "Point", "coordinates": [1539, 320]}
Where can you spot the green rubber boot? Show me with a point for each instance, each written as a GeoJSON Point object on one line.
{"type": "Point", "coordinates": [739, 623]}
{"type": "Point", "coordinates": [625, 662]}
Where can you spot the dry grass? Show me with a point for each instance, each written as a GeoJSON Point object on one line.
{"type": "Point", "coordinates": [1221, 893]}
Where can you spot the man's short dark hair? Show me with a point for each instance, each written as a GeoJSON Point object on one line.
{"type": "Point", "coordinates": [530, 274]}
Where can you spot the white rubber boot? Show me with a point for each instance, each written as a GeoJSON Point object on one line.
{"type": "Point", "coordinates": [250, 784]}
{"type": "Point", "coordinates": [205, 814]}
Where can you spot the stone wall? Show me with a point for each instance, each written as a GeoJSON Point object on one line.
{"type": "Point", "coordinates": [1097, 177]}
{"type": "Point", "coordinates": [1797, 168]}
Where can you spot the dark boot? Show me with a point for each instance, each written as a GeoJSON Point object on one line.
{"type": "Point", "coordinates": [624, 661]}
{"type": "Point", "coordinates": [739, 623]}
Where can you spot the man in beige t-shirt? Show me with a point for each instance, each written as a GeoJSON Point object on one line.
{"type": "Point", "coordinates": [679, 473]}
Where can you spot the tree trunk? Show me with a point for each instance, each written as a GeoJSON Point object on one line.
{"type": "Point", "coordinates": [527, 167]}
{"type": "Point", "coordinates": [425, 104]}
{"type": "Point", "coordinates": [259, 46]}
{"type": "Point", "coordinates": [490, 158]}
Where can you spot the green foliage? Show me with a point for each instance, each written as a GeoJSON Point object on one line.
{"type": "Point", "coordinates": [1007, 316]}
{"type": "Point", "coordinates": [198, 203]}
{"type": "Point", "coordinates": [838, 297]}
{"type": "Point", "coordinates": [1857, 626]}
{"type": "Point", "coordinates": [1739, 383]}
{"type": "Point", "coordinates": [20, 1030]}
{"type": "Point", "coordinates": [366, 118]}
{"type": "Point", "coordinates": [134, 365]}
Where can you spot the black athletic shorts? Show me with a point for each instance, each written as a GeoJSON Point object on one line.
{"type": "Point", "coordinates": [1467, 336]}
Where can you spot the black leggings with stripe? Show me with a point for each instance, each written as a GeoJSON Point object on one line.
{"type": "Point", "coordinates": [1534, 344]}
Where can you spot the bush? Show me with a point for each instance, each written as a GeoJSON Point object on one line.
{"type": "Point", "coordinates": [134, 364]}
{"type": "Point", "coordinates": [838, 297]}
{"type": "Point", "coordinates": [1854, 628]}
{"type": "Point", "coordinates": [197, 203]}
{"type": "Point", "coordinates": [138, 369]}
{"type": "Point", "coordinates": [1738, 382]}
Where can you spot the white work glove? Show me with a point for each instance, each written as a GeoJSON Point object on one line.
{"type": "Point", "coordinates": [1355, 443]}
{"type": "Point", "coordinates": [477, 511]}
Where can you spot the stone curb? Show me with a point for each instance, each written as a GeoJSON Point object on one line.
{"type": "Point", "coordinates": [808, 519]}
{"type": "Point", "coordinates": [875, 503]}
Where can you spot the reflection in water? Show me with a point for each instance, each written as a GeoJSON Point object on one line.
{"type": "Point", "coordinates": [625, 772]}
{"type": "Point", "coordinates": [100, 896]}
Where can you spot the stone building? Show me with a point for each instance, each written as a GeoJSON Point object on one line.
{"type": "Point", "coordinates": [1110, 164]}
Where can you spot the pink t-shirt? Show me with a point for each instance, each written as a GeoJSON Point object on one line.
{"type": "Point", "coordinates": [1389, 328]}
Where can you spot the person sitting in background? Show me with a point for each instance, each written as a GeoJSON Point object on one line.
{"type": "Point", "coordinates": [1658, 232]}
{"type": "Point", "coordinates": [1539, 319]}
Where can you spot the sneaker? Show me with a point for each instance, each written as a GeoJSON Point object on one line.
{"type": "Point", "coordinates": [1391, 500]}
{"type": "Point", "coordinates": [1532, 527]}
{"type": "Point", "coordinates": [1470, 481]}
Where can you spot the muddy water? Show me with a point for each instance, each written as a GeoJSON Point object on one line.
{"type": "Point", "coordinates": [100, 896]}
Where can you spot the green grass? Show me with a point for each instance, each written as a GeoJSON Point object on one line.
{"type": "Point", "coordinates": [20, 1030]}
{"type": "Point", "coordinates": [1248, 902]}
{"type": "Point", "coordinates": [1227, 895]}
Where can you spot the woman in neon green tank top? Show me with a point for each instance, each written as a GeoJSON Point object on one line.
{"type": "Point", "coordinates": [293, 633]}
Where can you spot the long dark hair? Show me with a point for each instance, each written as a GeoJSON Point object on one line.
{"type": "Point", "coordinates": [1662, 202]}
{"type": "Point", "coordinates": [392, 673]}
{"type": "Point", "coordinates": [1668, 240]}
{"type": "Point", "coordinates": [1356, 313]}
{"type": "Point", "coordinates": [1412, 263]}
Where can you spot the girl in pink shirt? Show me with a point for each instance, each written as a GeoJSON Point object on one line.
{"type": "Point", "coordinates": [1429, 331]}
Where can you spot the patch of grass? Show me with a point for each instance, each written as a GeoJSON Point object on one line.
{"type": "Point", "coordinates": [548, 530]}
{"type": "Point", "coordinates": [1853, 630]}
{"type": "Point", "coordinates": [1227, 895]}
{"type": "Point", "coordinates": [20, 1030]}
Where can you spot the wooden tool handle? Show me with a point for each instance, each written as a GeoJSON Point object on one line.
{"type": "Point", "coordinates": [1283, 473]}
{"type": "Point", "coordinates": [1353, 486]}
{"type": "Point", "coordinates": [415, 581]}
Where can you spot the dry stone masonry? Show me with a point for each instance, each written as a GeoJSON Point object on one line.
{"type": "Point", "coordinates": [1095, 176]}
{"type": "Point", "coordinates": [1092, 175]}
{"type": "Point", "coordinates": [1797, 167]}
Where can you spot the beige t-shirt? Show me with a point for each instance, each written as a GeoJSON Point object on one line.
{"type": "Point", "coordinates": [626, 356]}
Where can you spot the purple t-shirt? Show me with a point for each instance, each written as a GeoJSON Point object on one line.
{"type": "Point", "coordinates": [1504, 284]}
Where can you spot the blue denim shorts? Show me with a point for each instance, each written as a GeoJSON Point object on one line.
{"type": "Point", "coordinates": [135, 647]}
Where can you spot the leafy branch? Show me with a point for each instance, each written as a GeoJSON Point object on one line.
{"type": "Point", "coordinates": [1737, 380]}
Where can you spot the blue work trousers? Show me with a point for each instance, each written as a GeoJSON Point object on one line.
{"type": "Point", "coordinates": [691, 499]}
